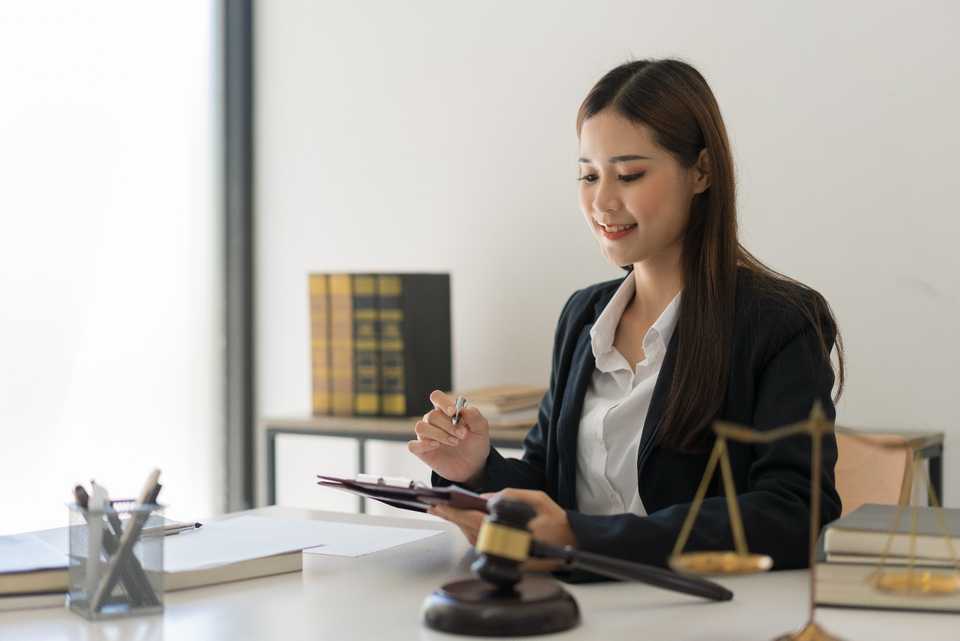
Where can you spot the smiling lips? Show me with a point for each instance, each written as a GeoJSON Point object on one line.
{"type": "Point", "coordinates": [614, 232]}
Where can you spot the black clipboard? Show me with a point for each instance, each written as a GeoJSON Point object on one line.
{"type": "Point", "coordinates": [404, 493]}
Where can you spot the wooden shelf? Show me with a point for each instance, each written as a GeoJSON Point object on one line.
{"type": "Point", "coordinates": [377, 427]}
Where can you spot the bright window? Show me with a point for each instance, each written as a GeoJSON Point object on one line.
{"type": "Point", "coordinates": [110, 321]}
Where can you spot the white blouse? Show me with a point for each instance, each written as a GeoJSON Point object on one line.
{"type": "Point", "coordinates": [615, 409]}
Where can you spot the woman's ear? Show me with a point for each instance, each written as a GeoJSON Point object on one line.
{"type": "Point", "coordinates": [701, 172]}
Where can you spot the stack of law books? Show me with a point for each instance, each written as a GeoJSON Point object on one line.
{"type": "Point", "coordinates": [857, 546]}
{"type": "Point", "coordinates": [380, 343]}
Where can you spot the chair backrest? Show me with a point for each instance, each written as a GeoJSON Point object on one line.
{"type": "Point", "coordinates": [867, 473]}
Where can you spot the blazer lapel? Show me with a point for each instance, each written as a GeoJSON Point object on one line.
{"type": "Point", "coordinates": [568, 425]}
{"type": "Point", "coordinates": [582, 365]}
{"type": "Point", "coordinates": [658, 401]}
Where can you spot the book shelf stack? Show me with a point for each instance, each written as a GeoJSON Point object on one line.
{"type": "Point", "coordinates": [380, 343]}
{"type": "Point", "coordinates": [506, 406]}
{"type": "Point", "coordinates": [874, 538]}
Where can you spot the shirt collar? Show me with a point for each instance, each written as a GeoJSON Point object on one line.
{"type": "Point", "coordinates": [604, 329]}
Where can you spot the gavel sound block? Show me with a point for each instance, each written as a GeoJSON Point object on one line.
{"type": "Point", "coordinates": [503, 602]}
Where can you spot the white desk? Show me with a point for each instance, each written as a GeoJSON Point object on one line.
{"type": "Point", "coordinates": [379, 597]}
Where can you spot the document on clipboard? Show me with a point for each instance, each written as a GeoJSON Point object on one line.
{"type": "Point", "coordinates": [404, 493]}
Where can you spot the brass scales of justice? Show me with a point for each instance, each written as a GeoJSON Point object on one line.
{"type": "Point", "coordinates": [914, 581]}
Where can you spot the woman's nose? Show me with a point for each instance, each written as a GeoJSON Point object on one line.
{"type": "Point", "coordinates": [606, 197]}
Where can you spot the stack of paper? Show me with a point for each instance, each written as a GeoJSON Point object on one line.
{"type": "Point", "coordinates": [231, 549]}
{"type": "Point", "coordinates": [33, 573]}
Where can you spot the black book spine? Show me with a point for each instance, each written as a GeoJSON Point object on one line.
{"type": "Point", "coordinates": [427, 339]}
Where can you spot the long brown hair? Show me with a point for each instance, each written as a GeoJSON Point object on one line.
{"type": "Point", "coordinates": [673, 100]}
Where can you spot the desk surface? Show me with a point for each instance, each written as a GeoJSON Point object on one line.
{"type": "Point", "coordinates": [379, 596]}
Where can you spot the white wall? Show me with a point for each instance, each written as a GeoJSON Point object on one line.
{"type": "Point", "coordinates": [109, 257]}
{"type": "Point", "coordinates": [438, 135]}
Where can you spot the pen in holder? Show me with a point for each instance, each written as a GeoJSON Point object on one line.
{"type": "Point", "coordinates": [116, 559]}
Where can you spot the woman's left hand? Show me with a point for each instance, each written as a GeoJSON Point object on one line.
{"type": "Point", "coordinates": [549, 525]}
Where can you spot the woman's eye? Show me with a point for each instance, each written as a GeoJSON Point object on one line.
{"type": "Point", "coordinates": [592, 178]}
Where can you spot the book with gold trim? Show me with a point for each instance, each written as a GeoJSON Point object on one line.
{"type": "Point", "coordinates": [320, 343]}
{"type": "Point", "coordinates": [415, 341]}
{"type": "Point", "coordinates": [33, 600]}
{"type": "Point", "coordinates": [341, 344]}
{"type": "Point", "coordinates": [390, 317]}
{"type": "Point", "coordinates": [366, 351]}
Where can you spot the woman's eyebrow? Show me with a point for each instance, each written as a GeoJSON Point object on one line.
{"type": "Point", "coordinates": [619, 158]}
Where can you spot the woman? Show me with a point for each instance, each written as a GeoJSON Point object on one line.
{"type": "Point", "coordinates": [698, 330]}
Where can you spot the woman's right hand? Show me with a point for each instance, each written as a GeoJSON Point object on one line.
{"type": "Point", "coordinates": [455, 452]}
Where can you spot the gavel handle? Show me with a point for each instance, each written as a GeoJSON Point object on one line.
{"type": "Point", "coordinates": [629, 571]}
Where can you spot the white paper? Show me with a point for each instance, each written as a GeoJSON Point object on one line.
{"type": "Point", "coordinates": [352, 539]}
{"type": "Point", "coordinates": [27, 552]}
{"type": "Point", "coordinates": [57, 538]}
{"type": "Point", "coordinates": [231, 540]}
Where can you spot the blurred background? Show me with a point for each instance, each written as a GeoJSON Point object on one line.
{"type": "Point", "coordinates": [172, 173]}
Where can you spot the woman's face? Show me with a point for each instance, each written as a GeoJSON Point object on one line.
{"type": "Point", "coordinates": [635, 194]}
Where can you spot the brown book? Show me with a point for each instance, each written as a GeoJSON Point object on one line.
{"type": "Point", "coordinates": [31, 601]}
{"type": "Point", "coordinates": [341, 344]}
{"type": "Point", "coordinates": [33, 581]}
{"type": "Point", "coordinates": [320, 343]}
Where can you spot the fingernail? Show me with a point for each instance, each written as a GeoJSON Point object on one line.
{"type": "Point", "coordinates": [452, 441]}
{"type": "Point", "coordinates": [462, 432]}
{"type": "Point", "coordinates": [434, 444]}
{"type": "Point", "coordinates": [450, 410]}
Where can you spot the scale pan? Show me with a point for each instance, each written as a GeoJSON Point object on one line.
{"type": "Point", "coordinates": [918, 582]}
{"type": "Point", "coordinates": [719, 563]}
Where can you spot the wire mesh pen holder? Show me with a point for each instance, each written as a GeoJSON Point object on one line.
{"type": "Point", "coordinates": [116, 560]}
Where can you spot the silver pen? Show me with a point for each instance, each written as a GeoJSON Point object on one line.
{"type": "Point", "coordinates": [177, 528]}
{"type": "Point", "coordinates": [174, 527]}
{"type": "Point", "coordinates": [461, 403]}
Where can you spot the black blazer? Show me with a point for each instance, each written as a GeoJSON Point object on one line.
{"type": "Point", "coordinates": [777, 370]}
